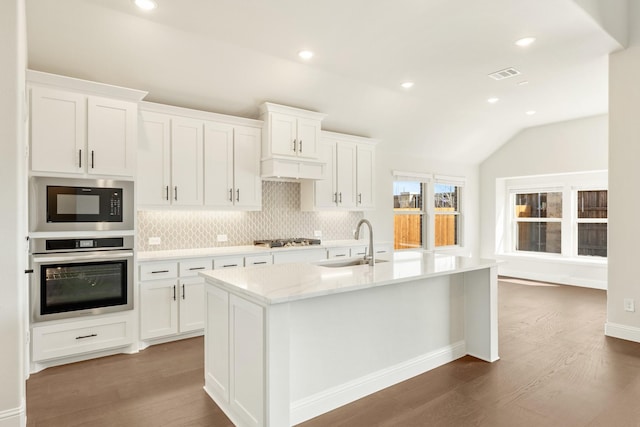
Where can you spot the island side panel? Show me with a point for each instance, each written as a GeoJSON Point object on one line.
{"type": "Point", "coordinates": [277, 365]}
{"type": "Point", "coordinates": [481, 313]}
{"type": "Point", "coordinates": [348, 345]}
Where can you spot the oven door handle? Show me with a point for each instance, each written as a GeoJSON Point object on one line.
{"type": "Point", "coordinates": [83, 256]}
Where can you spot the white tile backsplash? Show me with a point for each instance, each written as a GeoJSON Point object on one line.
{"type": "Point", "coordinates": [280, 218]}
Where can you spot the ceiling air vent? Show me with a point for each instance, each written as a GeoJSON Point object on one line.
{"type": "Point", "coordinates": [504, 74]}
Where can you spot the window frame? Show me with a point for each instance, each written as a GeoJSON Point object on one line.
{"type": "Point", "coordinates": [515, 220]}
{"type": "Point", "coordinates": [576, 221]}
{"type": "Point", "coordinates": [459, 185]}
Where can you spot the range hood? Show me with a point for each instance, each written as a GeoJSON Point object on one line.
{"type": "Point", "coordinates": [283, 168]}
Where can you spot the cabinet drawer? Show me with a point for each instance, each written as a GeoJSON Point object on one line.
{"type": "Point", "coordinates": [68, 339]}
{"type": "Point", "coordinates": [191, 267]}
{"type": "Point", "coordinates": [358, 251]}
{"type": "Point", "coordinates": [158, 270]}
{"type": "Point", "coordinates": [338, 253]}
{"type": "Point", "coordinates": [228, 262]}
{"type": "Point", "coordinates": [258, 260]}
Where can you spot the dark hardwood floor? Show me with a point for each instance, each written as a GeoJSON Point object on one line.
{"type": "Point", "coordinates": [557, 369]}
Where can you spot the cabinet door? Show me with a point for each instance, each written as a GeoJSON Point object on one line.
{"type": "Point", "coordinates": [158, 308]}
{"type": "Point", "coordinates": [111, 136]}
{"type": "Point", "coordinates": [153, 160]}
{"type": "Point", "coordinates": [218, 164]}
{"type": "Point", "coordinates": [247, 352]}
{"type": "Point", "coordinates": [283, 134]}
{"type": "Point", "coordinates": [365, 170]}
{"type": "Point", "coordinates": [246, 161]}
{"type": "Point", "coordinates": [186, 162]}
{"type": "Point", "coordinates": [325, 189]}
{"type": "Point", "coordinates": [58, 123]}
{"type": "Point", "coordinates": [346, 174]}
{"type": "Point", "coordinates": [308, 132]}
{"type": "Point", "coordinates": [191, 304]}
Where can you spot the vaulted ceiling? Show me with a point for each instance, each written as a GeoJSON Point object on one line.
{"type": "Point", "coordinates": [228, 56]}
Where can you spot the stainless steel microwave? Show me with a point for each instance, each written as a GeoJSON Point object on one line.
{"type": "Point", "coordinates": [63, 204]}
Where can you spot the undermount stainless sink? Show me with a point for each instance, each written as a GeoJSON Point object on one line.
{"type": "Point", "coordinates": [346, 262]}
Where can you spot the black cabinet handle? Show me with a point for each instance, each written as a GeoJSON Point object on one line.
{"type": "Point", "coordinates": [196, 268]}
{"type": "Point", "coordinates": [175, 192]}
{"type": "Point", "coordinates": [81, 337]}
{"type": "Point", "coordinates": [183, 292]}
{"type": "Point", "coordinates": [159, 271]}
{"type": "Point", "coordinates": [80, 158]}
{"type": "Point", "coordinates": [339, 255]}
{"type": "Point", "coordinates": [174, 292]}
{"type": "Point", "coordinates": [259, 262]}
{"type": "Point", "coordinates": [231, 194]}
{"type": "Point", "coordinates": [294, 145]}
{"type": "Point", "coordinates": [300, 146]}
{"type": "Point", "coordinates": [167, 190]}
{"type": "Point", "coordinates": [92, 162]}
{"type": "Point", "coordinates": [238, 195]}
{"type": "Point", "coordinates": [29, 271]}
{"type": "Point", "coordinates": [229, 265]}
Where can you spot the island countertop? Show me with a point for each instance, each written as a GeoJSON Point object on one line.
{"type": "Point", "coordinates": [280, 283]}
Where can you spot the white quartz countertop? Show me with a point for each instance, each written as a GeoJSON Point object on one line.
{"type": "Point", "coordinates": [273, 284]}
{"type": "Point", "coordinates": [239, 250]}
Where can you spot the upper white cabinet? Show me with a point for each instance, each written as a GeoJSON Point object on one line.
{"type": "Point", "coordinates": [185, 158]}
{"type": "Point", "coordinates": [348, 182]}
{"type": "Point", "coordinates": [75, 132]}
{"type": "Point", "coordinates": [290, 142]}
{"type": "Point", "coordinates": [232, 166]}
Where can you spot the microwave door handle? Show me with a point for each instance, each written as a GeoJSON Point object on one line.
{"type": "Point", "coordinates": [81, 257]}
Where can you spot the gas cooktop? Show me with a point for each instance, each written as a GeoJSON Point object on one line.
{"type": "Point", "coordinates": [280, 243]}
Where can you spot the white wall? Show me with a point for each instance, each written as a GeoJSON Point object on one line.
{"type": "Point", "coordinates": [624, 176]}
{"type": "Point", "coordinates": [12, 287]}
{"type": "Point", "coordinates": [389, 159]}
{"type": "Point", "coordinates": [565, 147]}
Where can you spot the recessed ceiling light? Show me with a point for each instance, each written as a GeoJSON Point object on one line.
{"type": "Point", "coordinates": [526, 41]}
{"type": "Point", "coordinates": [531, 112]}
{"type": "Point", "coordinates": [493, 100]}
{"type": "Point", "coordinates": [305, 54]}
{"type": "Point", "coordinates": [407, 85]}
{"type": "Point", "coordinates": [146, 4]}
{"type": "Point", "coordinates": [524, 82]}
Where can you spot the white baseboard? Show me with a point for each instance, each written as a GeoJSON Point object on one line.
{"type": "Point", "coordinates": [554, 278]}
{"type": "Point", "coordinates": [615, 330]}
{"type": "Point", "coordinates": [14, 417]}
{"type": "Point", "coordinates": [327, 400]}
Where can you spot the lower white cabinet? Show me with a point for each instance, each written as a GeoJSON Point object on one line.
{"type": "Point", "coordinates": [173, 304]}
{"type": "Point", "coordinates": [234, 356]}
{"type": "Point", "coordinates": [250, 260]}
{"type": "Point", "coordinates": [305, 255]}
{"type": "Point", "coordinates": [83, 336]}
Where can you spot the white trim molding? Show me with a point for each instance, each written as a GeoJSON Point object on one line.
{"type": "Point", "coordinates": [327, 400]}
{"type": "Point", "coordinates": [14, 417]}
{"type": "Point", "coordinates": [616, 330]}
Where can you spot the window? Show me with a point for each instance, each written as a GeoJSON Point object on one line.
{"type": "Point", "coordinates": [447, 214]}
{"type": "Point", "coordinates": [409, 214]}
{"type": "Point", "coordinates": [591, 219]}
{"type": "Point", "coordinates": [427, 211]}
{"type": "Point", "coordinates": [538, 222]}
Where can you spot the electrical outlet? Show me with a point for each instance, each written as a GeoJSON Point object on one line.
{"type": "Point", "coordinates": [222, 238]}
{"type": "Point", "coordinates": [154, 241]}
{"type": "Point", "coordinates": [629, 305]}
{"type": "Point", "coordinates": [317, 233]}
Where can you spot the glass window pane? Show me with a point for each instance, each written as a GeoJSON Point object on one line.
{"type": "Point", "coordinates": [592, 239]}
{"type": "Point", "coordinates": [446, 197]}
{"type": "Point", "coordinates": [539, 237]}
{"type": "Point", "coordinates": [539, 205]}
{"type": "Point", "coordinates": [446, 230]}
{"type": "Point", "coordinates": [592, 204]}
{"type": "Point", "coordinates": [408, 231]}
{"type": "Point", "coordinates": [407, 195]}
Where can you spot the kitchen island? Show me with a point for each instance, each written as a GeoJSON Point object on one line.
{"type": "Point", "coordinates": [285, 343]}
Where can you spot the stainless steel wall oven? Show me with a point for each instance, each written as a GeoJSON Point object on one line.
{"type": "Point", "coordinates": [80, 276]}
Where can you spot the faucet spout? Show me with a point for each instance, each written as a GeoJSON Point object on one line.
{"type": "Point", "coordinates": [369, 257]}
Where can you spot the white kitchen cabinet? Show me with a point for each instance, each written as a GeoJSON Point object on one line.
{"type": "Point", "coordinates": [187, 177]}
{"type": "Point", "coordinates": [194, 158]}
{"type": "Point", "coordinates": [74, 133]}
{"type": "Point", "coordinates": [250, 260]}
{"type": "Point", "coordinates": [232, 166]}
{"type": "Point", "coordinates": [234, 352]}
{"type": "Point", "coordinates": [348, 183]}
{"type": "Point", "coordinates": [292, 132]}
{"type": "Point", "coordinates": [365, 176]}
{"type": "Point", "coordinates": [172, 297]}
{"type": "Point", "coordinates": [231, 261]}
{"type": "Point", "coordinates": [154, 160]}
{"type": "Point", "coordinates": [57, 340]}
{"type": "Point", "coordinates": [341, 252]}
